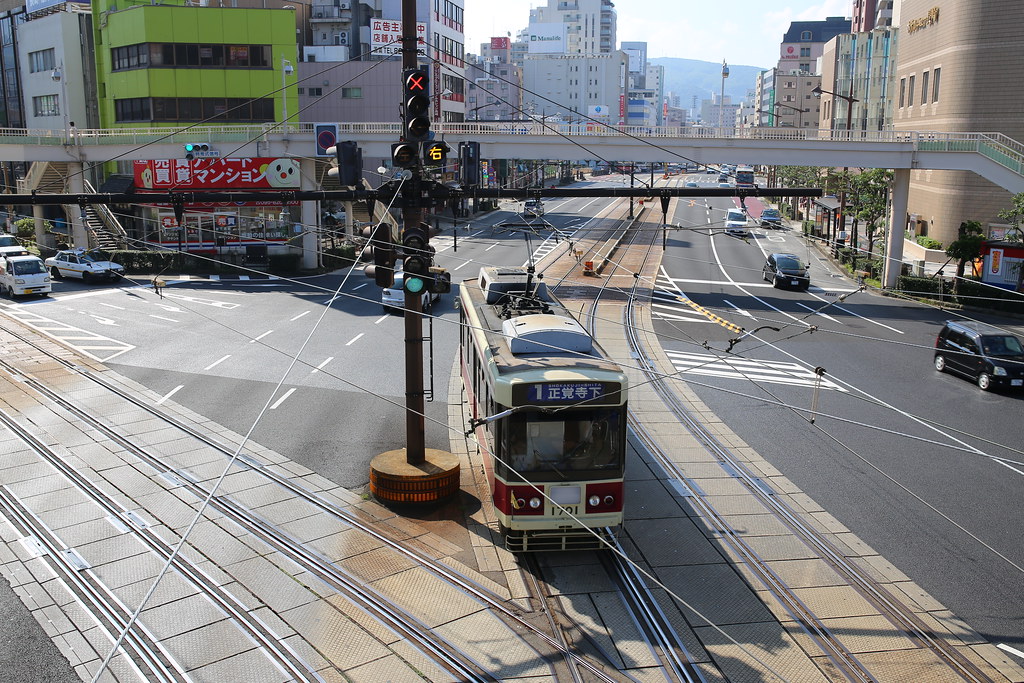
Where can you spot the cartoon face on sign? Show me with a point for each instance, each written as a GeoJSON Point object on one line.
{"type": "Point", "coordinates": [282, 173]}
{"type": "Point", "coordinates": [147, 178]}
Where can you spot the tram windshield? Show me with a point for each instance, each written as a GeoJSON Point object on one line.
{"type": "Point", "coordinates": [566, 444]}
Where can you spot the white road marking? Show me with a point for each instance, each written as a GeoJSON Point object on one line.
{"type": "Point", "coordinates": [216, 363]}
{"type": "Point", "coordinates": [103, 303]}
{"type": "Point", "coordinates": [299, 316]}
{"type": "Point", "coordinates": [1011, 650]}
{"type": "Point", "coordinates": [320, 367]}
{"type": "Point", "coordinates": [281, 400]}
{"type": "Point", "coordinates": [101, 320]}
{"type": "Point", "coordinates": [201, 300]}
{"type": "Point", "coordinates": [823, 315]}
{"type": "Point", "coordinates": [776, 372]}
{"type": "Point", "coordinates": [253, 341]}
{"type": "Point", "coordinates": [354, 339]}
{"type": "Point", "coordinates": [378, 321]}
{"type": "Point", "coordinates": [462, 265]}
{"type": "Point", "coordinates": [170, 393]}
{"type": "Point", "coordinates": [160, 317]}
{"type": "Point", "coordinates": [739, 310]}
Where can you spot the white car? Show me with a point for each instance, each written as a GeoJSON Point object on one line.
{"type": "Point", "coordinates": [533, 208]}
{"type": "Point", "coordinates": [83, 264]}
{"type": "Point", "coordinates": [393, 298]}
{"type": "Point", "coordinates": [736, 223]}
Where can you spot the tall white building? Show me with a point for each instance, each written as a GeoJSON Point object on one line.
{"type": "Point", "coordinates": [586, 27]}
{"type": "Point", "coordinates": [570, 85]}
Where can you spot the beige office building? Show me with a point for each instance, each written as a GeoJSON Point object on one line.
{"type": "Point", "coordinates": [958, 69]}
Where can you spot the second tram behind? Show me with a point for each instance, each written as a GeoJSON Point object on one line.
{"type": "Point", "coordinates": [550, 413]}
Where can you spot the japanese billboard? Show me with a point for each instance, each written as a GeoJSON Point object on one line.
{"type": "Point", "coordinates": [259, 173]}
{"type": "Point", "coordinates": [546, 38]}
{"type": "Point", "coordinates": [500, 43]}
{"type": "Point", "coordinates": [386, 36]}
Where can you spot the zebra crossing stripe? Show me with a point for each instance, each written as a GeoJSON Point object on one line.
{"type": "Point", "coordinates": [776, 372]}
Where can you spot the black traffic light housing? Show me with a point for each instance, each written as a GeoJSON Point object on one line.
{"type": "Point", "coordinates": [418, 257]}
{"type": "Point", "coordinates": [347, 163]}
{"type": "Point", "coordinates": [193, 148]}
{"type": "Point", "coordinates": [436, 153]}
{"type": "Point", "coordinates": [440, 281]}
{"type": "Point", "coordinates": [405, 154]}
{"type": "Point", "coordinates": [381, 249]}
{"type": "Point", "coordinates": [469, 162]}
{"type": "Point", "coordinates": [415, 105]}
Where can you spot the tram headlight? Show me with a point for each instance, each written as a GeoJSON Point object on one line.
{"type": "Point", "coordinates": [535, 503]}
{"type": "Point", "coordinates": [609, 500]}
{"type": "Point", "coordinates": [594, 501]}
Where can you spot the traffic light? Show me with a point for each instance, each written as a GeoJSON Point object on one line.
{"type": "Point", "coordinates": [416, 103]}
{"type": "Point", "coordinates": [194, 149]}
{"type": "Point", "coordinates": [469, 161]}
{"type": "Point", "coordinates": [347, 163]}
{"type": "Point", "coordinates": [381, 249]}
{"type": "Point", "coordinates": [405, 154]}
{"type": "Point", "coordinates": [436, 153]}
{"type": "Point", "coordinates": [440, 281]}
{"type": "Point", "coordinates": [418, 257]}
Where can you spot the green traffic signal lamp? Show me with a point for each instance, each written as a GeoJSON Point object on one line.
{"type": "Point", "coordinates": [413, 285]}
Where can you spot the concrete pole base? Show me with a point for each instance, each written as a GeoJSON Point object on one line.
{"type": "Point", "coordinates": [393, 481]}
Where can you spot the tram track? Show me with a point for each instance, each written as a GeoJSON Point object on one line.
{"type": "Point", "coordinates": [829, 643]}
{"type": "Point", "coordinates": [460, 664]}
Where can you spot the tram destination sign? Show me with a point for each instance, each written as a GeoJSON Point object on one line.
{"type": "Point", "coordinates": [567, 393]}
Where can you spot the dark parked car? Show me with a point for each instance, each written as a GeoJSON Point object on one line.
{"type": "Point", "coordinates": [980, 352]}
{"type": "Point", "coordinates": [786, 270]}
{"type": "Point", "coordinates": [771, 218]}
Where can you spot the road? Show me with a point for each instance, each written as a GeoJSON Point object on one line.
{"type": "Point", "coordinates": [924, 467]}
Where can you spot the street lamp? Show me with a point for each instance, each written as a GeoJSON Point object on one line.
{"type": "Point", "coordinates": [721, 97]}
{"type": "Point", "coordinates": [800, 124]}
{"type": "Point", "coordinates": [57, 75]}
{"type": "Point", "coordinates": [286, 68]}
{"type": "Point", "coordinates": [850, 99]}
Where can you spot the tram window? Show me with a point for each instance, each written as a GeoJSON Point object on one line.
{"type": "Point", "coordinates": [542, 444]}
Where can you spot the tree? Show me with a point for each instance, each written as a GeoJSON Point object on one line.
{"type": "Point", "coordinates": [870, 200]}
{"type": "Point", "coordinates": [966, 247]}
{"type": "Point", "coordinates": [1013, 216]}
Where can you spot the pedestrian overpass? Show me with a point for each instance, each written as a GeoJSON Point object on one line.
{"type": "Point", "coordinates": [993, 156]}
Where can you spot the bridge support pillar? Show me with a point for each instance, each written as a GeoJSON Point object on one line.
{"type": "Point", "coordinates": [897, 227]}
{"type": "Point", "coordinates": [76, 185]}
{"type": "Point", "coordinates": [310, 219]}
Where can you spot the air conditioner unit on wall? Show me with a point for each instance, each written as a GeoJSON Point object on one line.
{"type": "Point", "coordinates": [341, 38]}
{"type": "Point", "coordinates": [344, 5]}
{"type": "Point", "coordinates": [319, 15]}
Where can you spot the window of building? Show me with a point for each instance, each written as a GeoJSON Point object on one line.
{"type": "Point", "coordinates": [45, 105]}
{"type": "Point", "coordinates": [924, 87]}
{"type": "Point", "coordinates": [302, 91]}
{"type": "Point", "coordinates": [194, 109]}
{"type": "Point", "coordinates": [910, 91]}
{"type": "Point", "coordinates": [903, 92]}
{"type": "Point", "coordinates": [805, 52]}
{"type": "Point", "coordinates": [41, 61]}
{"type": "Point", "coordinates": [316, 92]}
{"type": "Point", "coordinates": [805, 66]}
{"type": "Point", "coordinates": [805, 35]}
{"type": "Point", "coordinates": [209, 55]}
{"type": "Point", "coordinates": [353, 93]}
{"type": "Point", "coordinates": [935, 84]}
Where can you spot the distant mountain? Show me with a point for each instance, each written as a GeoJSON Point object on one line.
{"type": "Point", "coordinates": [691, 78]}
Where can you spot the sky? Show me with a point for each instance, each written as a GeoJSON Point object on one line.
{"type": "Point", "coordinates": [742, 32]}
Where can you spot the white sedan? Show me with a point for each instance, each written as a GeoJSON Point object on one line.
{"type": "Point", "coordinates": [83, 264]}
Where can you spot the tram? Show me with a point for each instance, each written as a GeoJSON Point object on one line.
{"type": "Point", "coordinates": [549, 410]}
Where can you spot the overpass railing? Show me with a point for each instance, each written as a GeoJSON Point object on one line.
{"type": "Point", "coordinates": [1001, 149]}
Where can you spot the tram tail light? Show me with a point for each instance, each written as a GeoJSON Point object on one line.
{"type": "Point", "coordinates": [517, 500]}
{"type": "Point", "coordinates": [605, 497]}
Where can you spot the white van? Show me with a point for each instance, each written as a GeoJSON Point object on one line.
{"type": "Point", "coordinates": [736, 223]}
{"type": "Point", "coordinates": [23, 274]}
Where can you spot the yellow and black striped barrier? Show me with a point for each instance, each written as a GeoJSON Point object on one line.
{"type": "Point", "coordinates": [732, 327]}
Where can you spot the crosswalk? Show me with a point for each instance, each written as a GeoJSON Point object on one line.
{"type": "Point", "coordinates": [96, 346]}
{"type": "Point", "coordinates": [731, 367]}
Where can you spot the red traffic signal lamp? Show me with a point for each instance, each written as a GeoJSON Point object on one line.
{"type": "Point", "coordinates": [416, 105]}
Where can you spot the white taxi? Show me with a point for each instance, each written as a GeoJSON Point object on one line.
{"type": "Point", "coordinates": [88, 266]}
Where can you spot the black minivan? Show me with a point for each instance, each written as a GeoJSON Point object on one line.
{"type": "Point", "coordinates": [984, 353]}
